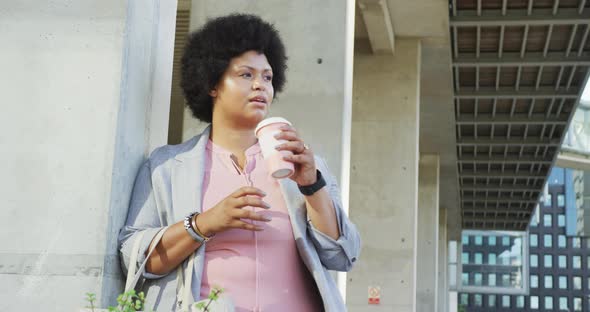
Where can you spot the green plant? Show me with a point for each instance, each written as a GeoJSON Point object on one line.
{"type": "Point", "coordinates": [91, 298]}
{"type": "Point", "coordinates": [126, 302]}
{"type": "Point", "coordinates": [129, 301]}
{"type": "Point", "coordinates": [132, 302]}
{"type": "Point", "coordinates": [213, 296]}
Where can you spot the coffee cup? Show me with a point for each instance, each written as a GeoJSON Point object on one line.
{"type": "Point", "coordinates": [265, 132]}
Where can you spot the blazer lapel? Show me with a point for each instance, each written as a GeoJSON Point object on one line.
{"type": "Point", "coordinates": [187, 177]}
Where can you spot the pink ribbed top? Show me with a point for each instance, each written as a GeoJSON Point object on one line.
{"type": "Point", "coordinates": [260, 271]}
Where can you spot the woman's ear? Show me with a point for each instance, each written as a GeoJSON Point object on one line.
{"type": "Point", "coordinates": [213, 93]}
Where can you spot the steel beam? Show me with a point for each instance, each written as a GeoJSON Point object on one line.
{"type": "Point", "coordinates": [469, 18]}
{"type": "Point", "coordinates": [505, 119]}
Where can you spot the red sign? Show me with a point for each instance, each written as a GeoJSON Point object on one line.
{"type": "Point", "coordinates": [374, 294]}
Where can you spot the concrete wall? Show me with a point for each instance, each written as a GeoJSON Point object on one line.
{"type": "Point", "coordinates": [384, 176]}
{"type": "Point", "coordinates": [76, 122]}
{"type": "Point", "coordinates": [314, 34]}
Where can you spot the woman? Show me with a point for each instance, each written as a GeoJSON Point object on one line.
{"type": "Point", "coordinates": [268, 243]}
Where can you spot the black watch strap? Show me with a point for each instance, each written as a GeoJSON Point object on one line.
{"type": "Point", "coordinates": [308, 190]}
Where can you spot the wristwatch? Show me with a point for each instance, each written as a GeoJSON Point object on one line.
{"type": "Point", "coordinates": [309, 190]}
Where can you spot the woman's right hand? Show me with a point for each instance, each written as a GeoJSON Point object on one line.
{"type": "Point", "coordinates": [229, 213]}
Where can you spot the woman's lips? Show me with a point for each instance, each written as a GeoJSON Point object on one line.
{"type": "Point", "coordinates": [259, 104]}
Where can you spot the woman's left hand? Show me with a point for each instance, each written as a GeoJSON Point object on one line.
{"type": "Point", "coordinates": [305, 169]}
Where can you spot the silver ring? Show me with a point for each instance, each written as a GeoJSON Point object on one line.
{"type": "Point", "coordinates": [305, 146]}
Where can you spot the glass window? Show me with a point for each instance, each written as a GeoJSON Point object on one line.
{"type": "Point", "coordinates": [506, 301]}
{"type": "Point", "coordinates": [576, 242]}
{"type": "Point", "coordinates": [561, 241]}
{"type": "Point", "coordinates": [548, 281]}
{"type": "Point", "coordinates": [563, 303]}
{"type": "Point", "coordinates": [547, 220]}
{"type": "Point", "coordinates": [477, 301]}
{"type": "Point", "coordinates": [561, 220]}
{"type": "Point", "coordinates": [492, 240]}
{"type": "Point", "coordinates": [548, 261]}
{"type": "Point", "coordinates": [560, 200]}
{"type": "Point", "coordinates": [562, 261]}
{"type": "Point", "coordinates": [465, 278]}
{"type": "Point", "coordinates": [534, 281]}
{"type": "Point", "coordinates": [576, 262]}
{"type": "Point", "coordinates": [505, 258]}
{"type": "Point", "coordinates": [477, 279]}
{"type": "Point", "coordinates": [492, 279]}
{"type": "Point", "coordinates": [505, 241]}
{"type": "Point", "coordinates": [577, 304]}
{"type": "Point", "coordinates": [548, 303]}
{"type": "Point", "coordinates": [534, 240]}
{"type": "Point", "coordinates": [478, 258]}
{"type": "Point", "coordinates": [517, 241]}
{"type": "Point", "coordinates": [535, 302]}
{"type": "Point", "coordinates": [505, 279]}
{"type": "Point", "coordinates": [520, 301]}
{"type": "Point", "coordinates": [562, 282]}
{"type": "Point", "coordinates": [577, 282]}
{"type": "Point", "coordinates": [491, 258]}
{"type": "Point", "coordinates": [464, 299]}
{"type": "Point", "coordinates": [548, 240]}
{"type": "Point", "coordinates": [478, 240]}
{"type": "Point", "coordinates": [547, 200]}
{"type": "Point", "coordinates": [465, 239]}
{"type": "Point", "coordinates": [491, 300]}
{"type": "Point", "coordinates": [465, 258]}
{"type": "Point", "coordinates": [534, 261]}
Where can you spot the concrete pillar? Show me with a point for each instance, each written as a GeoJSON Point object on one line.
{"type": "Point", "coordinates": [384, 176]}
{"type": "Point", "coordinates": [442, 289]}
{"type": "Point", "coordinates": [84, 99]}
{"type": "Point", "coordinates": [428, 225]}
{"type": "Point", "coordinates": [453, 301]}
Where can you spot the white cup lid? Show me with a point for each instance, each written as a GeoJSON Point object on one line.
{"type": "Point", "coordinates": [269, 121]}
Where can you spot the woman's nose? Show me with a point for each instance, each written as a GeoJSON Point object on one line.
{"type": "Point", "coordinates": [258, 84]}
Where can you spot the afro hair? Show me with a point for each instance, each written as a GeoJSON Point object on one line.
{"type": "Point", "coordinates": [210, 49]}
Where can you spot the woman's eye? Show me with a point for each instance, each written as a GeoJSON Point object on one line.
{"type": "Point", "coordinates": [246, 75]}
{"type": "Point", "coordinates": [268, 78]}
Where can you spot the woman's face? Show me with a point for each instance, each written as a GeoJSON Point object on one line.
{"type": "Point", "coordinates": [244, 92]}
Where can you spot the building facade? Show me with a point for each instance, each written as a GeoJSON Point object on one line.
{"type": "Point", "coordinates": [558, 278]}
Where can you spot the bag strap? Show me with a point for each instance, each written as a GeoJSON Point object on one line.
{"type": "Point", "coordinates": [132, 276]}
{"type": "Point", "coordinates": [184, 295]}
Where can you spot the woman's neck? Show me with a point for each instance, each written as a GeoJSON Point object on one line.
{"type": "Point", "coordinates": [237, 141]}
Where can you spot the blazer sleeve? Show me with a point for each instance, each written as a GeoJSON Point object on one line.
{"type": "Point", "coordinates": [142, 216]}
{"type": "Point", "coordinates": [340, 254]}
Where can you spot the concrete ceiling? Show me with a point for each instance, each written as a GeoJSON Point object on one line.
{"type": "Point", "coordinates": [519, 67]}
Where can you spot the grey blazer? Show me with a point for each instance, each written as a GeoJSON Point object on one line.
{"type": "Point", "coordinates": [168, 187]}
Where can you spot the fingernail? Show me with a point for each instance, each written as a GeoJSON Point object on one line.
{"type": "Point", "coordinates": [278, 147]}
{"type": "Point", "coordinates": [267, 218]}
{"type": "Point", "coordinates": [277, 135]}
